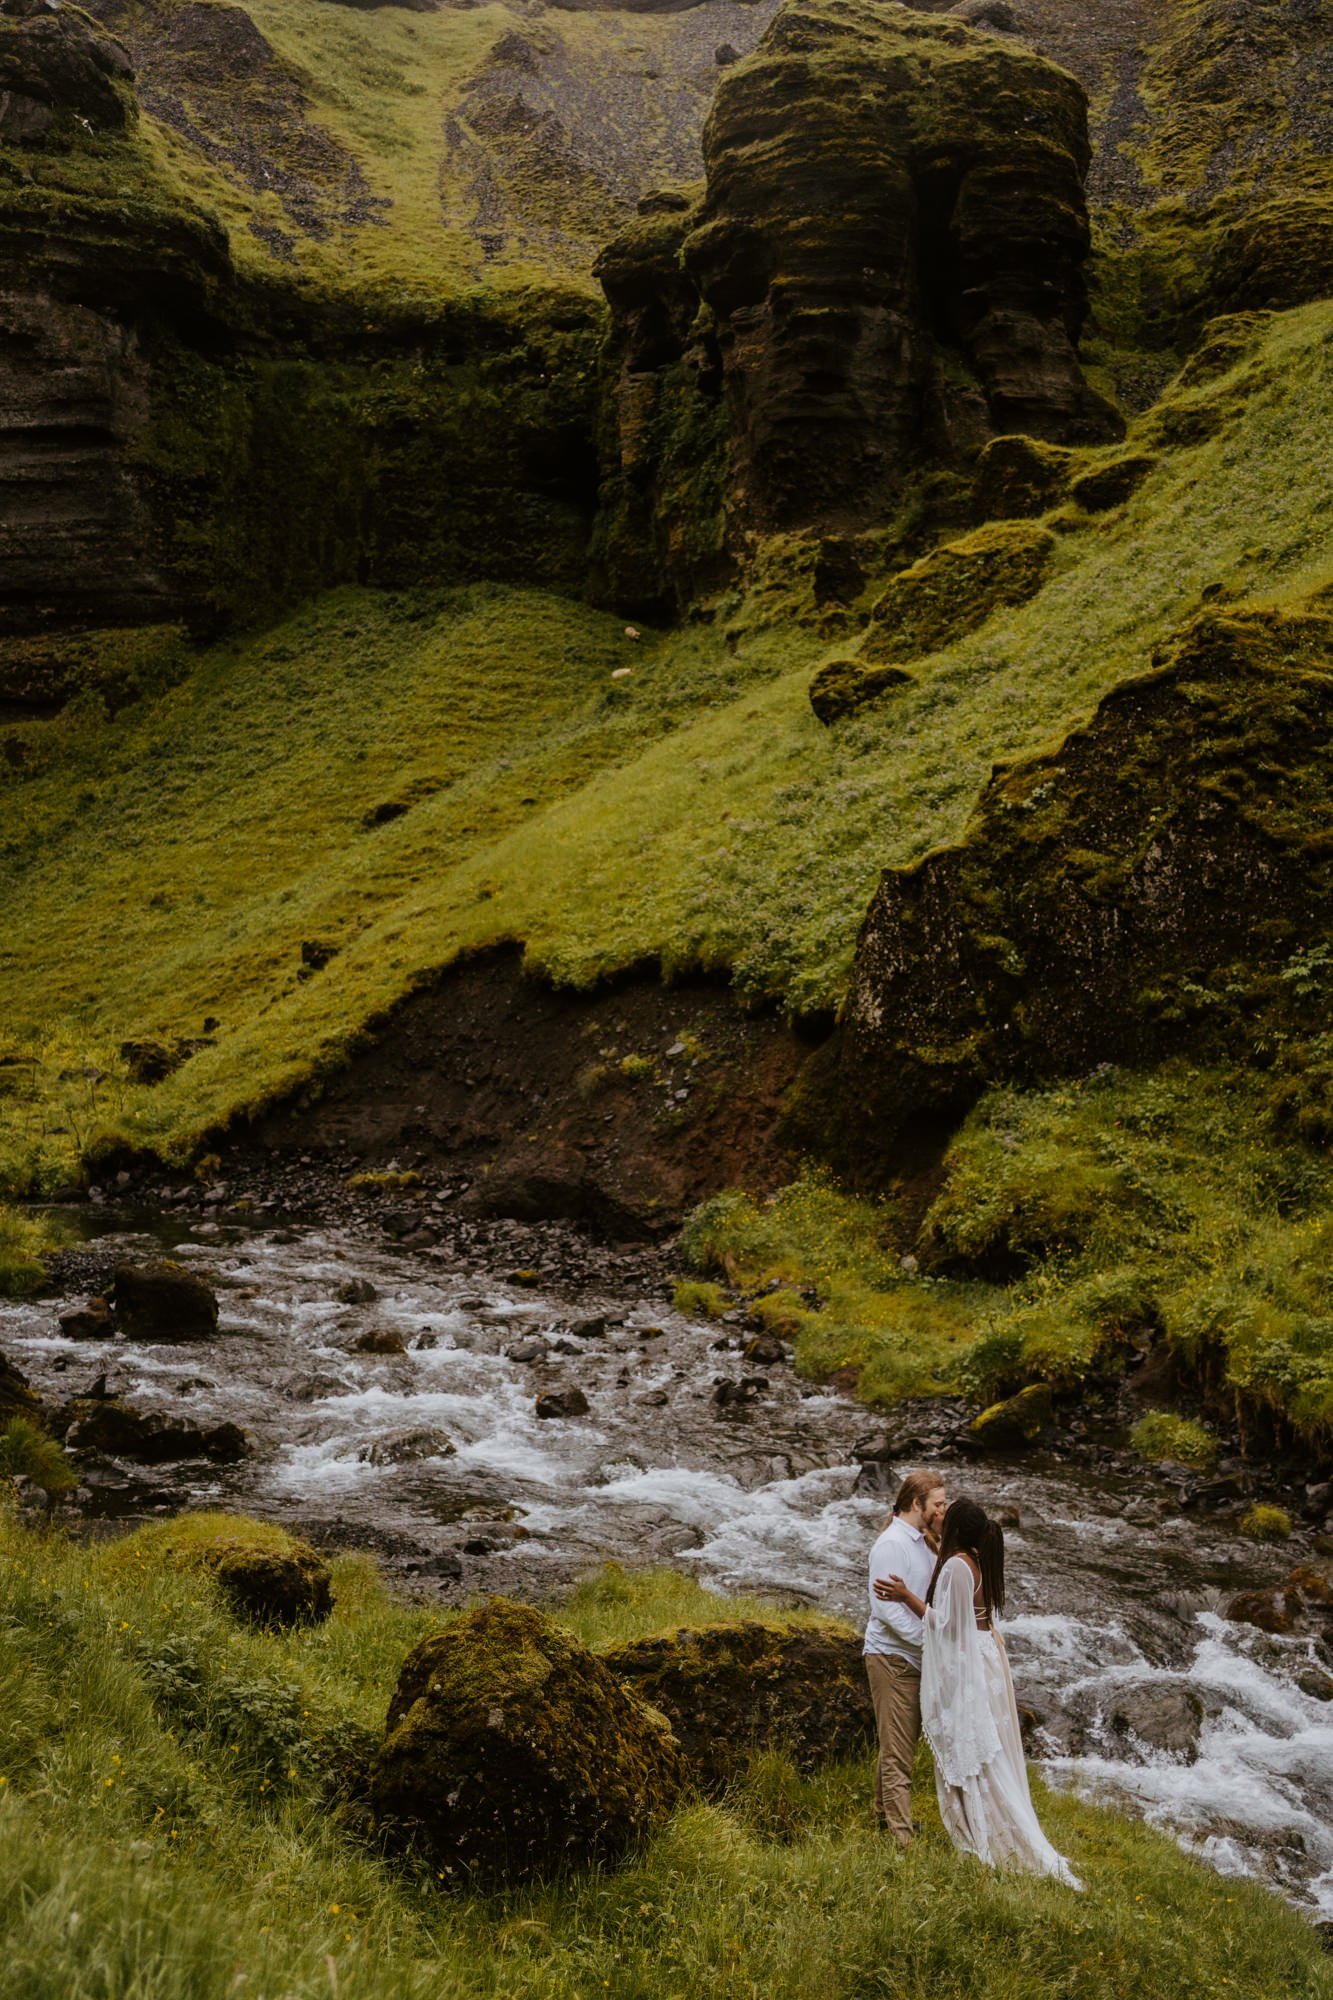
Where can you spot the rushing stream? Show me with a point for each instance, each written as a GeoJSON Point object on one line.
{"type": "Point", "coordinates": [1114, 1625]}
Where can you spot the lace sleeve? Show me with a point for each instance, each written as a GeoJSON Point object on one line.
{"type": "Point", "coordinates": [955, 1711]}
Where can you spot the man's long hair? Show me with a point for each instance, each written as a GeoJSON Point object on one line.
{"type": "Point", "coordinates": [969, 1530]}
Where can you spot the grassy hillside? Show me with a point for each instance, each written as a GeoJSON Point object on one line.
{"type": "Point", "coordinates": [170, 1830]}
{"type": "Point", "coordinates": [402, 777]}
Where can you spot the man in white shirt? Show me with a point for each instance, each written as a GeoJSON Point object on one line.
{"type": "Point", "coordinates": [893, 1645]}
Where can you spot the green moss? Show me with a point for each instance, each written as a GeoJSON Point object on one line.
{"type": "Point", "coordinates": [26, 1241]}
{"type": "Point", "coordinates": [1161, 1434]}
{"type": "Point", "coordinates": [1266, 1524]}
{"type": "Point", "coordinates": [840, 687]}
{"type": "Point", "coordinates": [696, 1300]}
{"type": "Point", "coordinates": [1018, 475]}
{"type": "Point", "coordinates": [265, 1575]}
{"type": "Point", "coordinates": [506, 1703]}
{"type": "Point", "coordinates": [956, 588]}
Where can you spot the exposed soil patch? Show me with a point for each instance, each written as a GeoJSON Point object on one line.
{"type": "Point", "coordinates": [621, 1109]}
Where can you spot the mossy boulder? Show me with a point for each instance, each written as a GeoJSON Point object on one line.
{"type": "Point", "coordinates": [60, 76]}
{"type": "Point", "coordinates": [267, 1576]}
{"type": "Point", "coordinates": [1147, 884]}
{"type": "Point", "coordinates": [17, 1397]}
{"type": "Point", "coordinates": [840, 687]}
{"type": "Point", "coordinates": [1017, 476]}
{"type": "Point", "coordinates": [956, 588]}
{"type": "Point", "coordinates": [1111, 482]}
{"type": "Point", "coordinates": [1016, 1424]}
{"type": "Point", "coordinates": [513, 1752]}
{"type": "Point", "coordinates": [730, 1690]}
{"type": "Point", "coordinates": [1302, 1602]}
{"type": "Point", "coordinates": [163, 1301]}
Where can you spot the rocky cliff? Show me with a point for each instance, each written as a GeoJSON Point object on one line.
{"type": "Point", "coordinates": [884, 270]}
{"type": "Point", "coordinates": [1154, 882]}
{"type": "Point", "coordinates": [182, 441]}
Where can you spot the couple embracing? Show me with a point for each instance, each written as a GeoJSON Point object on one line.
{"type": "Point", "coordinates": [937, 1667]}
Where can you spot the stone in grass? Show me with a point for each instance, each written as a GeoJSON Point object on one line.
{"type": "Point", "coordinates": [267, 1576]}
{"type": "Point", "coordinates": [1013, 1425]}
{"type": "Point", "coordinates": [729, 1690]}
{"type": "Point", "coordinates": [842, 686]}
{"type": "Point", "coordinates": [562, 1403]}
{"type": "Point", "coordinates": [163, 1301]}
{"type": "Point", "coordinates": [512, 1752]}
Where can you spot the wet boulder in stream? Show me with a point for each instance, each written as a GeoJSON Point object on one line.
{"type": "Point", "coordinates": [163, 1301]}
{"type": "Point", "coordinates": [151, 1439]}
{"type": "Point", "coordinates": [512, 1751]}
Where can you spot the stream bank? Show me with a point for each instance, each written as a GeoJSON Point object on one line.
{"type": "Point", "coordinates": [389, 1396]}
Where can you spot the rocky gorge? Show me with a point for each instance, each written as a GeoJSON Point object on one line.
{"type": "Point", "coordinates": [663, 777]}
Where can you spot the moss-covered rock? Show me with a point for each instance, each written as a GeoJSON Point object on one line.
{"type": "Point", "coordinates": [957, 587]}
{"type": "Point", "coordinates": [1111, 481]}
{"type": "Point", "coordinates": [512, 1752]}
{"type": "Point", "coordinates": [163, 1301]}
{"type": "Point", "coordinates": [267, 1576]}
{"type": "Point", "coordinates": [842, 686]}
{"type": "Point", "coordinates": [1148, 883]}
{"type": "Point", "coordinates": [1018, 475]}
{"type": "Point", "coordinates": [1015, 1424]}
{"type": "Point", "coordinates": [60, 77]}
{"type": "Point", "coordinates": [730, 1690]}
{"type": "Point", "coordinates": [883, 268]}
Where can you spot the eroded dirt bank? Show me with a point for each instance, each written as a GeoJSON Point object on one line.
{"type": "Point", "coordinates": [619, 1109]}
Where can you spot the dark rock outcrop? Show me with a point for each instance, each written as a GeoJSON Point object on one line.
{"type": "Point", "coordinates": [512, 1751]}
{"type": "Point", "coordinates": [885, 268]}
{"type": "Point", "coordinates": [1302, 1602]}
{"type": "Point", "coordinates": [163, 1301]}
{"type": "Point", "coordinates": [59, 76]}
{"type": "Point", "coordinates": [730, 1690]}
{"type": "Point", "coordinates": [150, 1439]}
{"type": "Point", "coordinates": [1013, 1425]}
{"type": "Point", "coordinates": [1143, 886]}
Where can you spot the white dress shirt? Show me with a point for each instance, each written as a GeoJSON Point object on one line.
{"type": "Point", "coordinates": [895, 1628]}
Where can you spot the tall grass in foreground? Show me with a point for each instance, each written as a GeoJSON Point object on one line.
{"type": "Point", "coordinates": [169, 1831]}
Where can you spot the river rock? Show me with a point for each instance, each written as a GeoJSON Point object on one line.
{"type": "Point", "coordinates": [356, 1292]}
{"type": "Point", "coordinates": [528, 1350]}
{"type": "Point", "coordinates": [378, 1340]}
{"type": "Point", "coordinates": [403, 1447]}
{"type": "Point", "coordinates": [1013, 1425]}
{"type": "Point", "coordinates": [1162, 1716]}
{"type": "Point", "coordinates": [726, 1393]}
{"type": "Point", "coordinates": [163, 1301]}
{"type": "Point", "coordinates": [1302, 1602]}
{"type": "Point", "coordinates": [17, 1399]}
{"type": "Point", "coordinates": [766, 1350]}
{"type": "Point", "coordinates": [89, 1322]}
{"type": "Point", "coordinates": [561, 1403]}
{"type": "Point", "coordinates": [151, 1439]}
{"type": "Point", "coordinates": [729, 1690]}
{"type": "Point", "coordinates": [511, 1752]}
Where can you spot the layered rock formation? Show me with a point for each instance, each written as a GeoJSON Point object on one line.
{"type": "Point", "coordinates": [885, 268]}
{"type": "Point", "coordinates": [1151, 883]}
{"type": "Point", "coordinates": [178, 442]}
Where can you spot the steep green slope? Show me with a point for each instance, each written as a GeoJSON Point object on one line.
{"type": "Point", "coordinates": [168, 865]}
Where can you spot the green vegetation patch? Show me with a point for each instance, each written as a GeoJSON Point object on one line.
{"type": "Point", "coordinates": [175, 1824]}
{"type": "Point", "coordinates": [407, 775]}
{"type": "Point", "coordinates": [1074, 1229]}
{"type": "Point", "coordinates": [1163, 1435]}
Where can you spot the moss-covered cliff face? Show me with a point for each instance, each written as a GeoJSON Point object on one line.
{"type": "Point", "coordinates": [1154, 881]}
{"type": "Point", "coordinates": [883, 269]}
{"type": "Point", "coordinates": [183, 441]}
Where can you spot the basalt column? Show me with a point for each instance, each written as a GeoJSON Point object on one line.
{"type": "Point", "coordinates": [887, 262]}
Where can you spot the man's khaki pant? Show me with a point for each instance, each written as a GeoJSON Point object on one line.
{"type": "Point", "coordinates": [895, 1689]}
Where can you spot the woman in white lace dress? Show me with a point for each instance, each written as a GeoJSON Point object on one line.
{"type": "Point", "coordinates": [968, 1712]}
